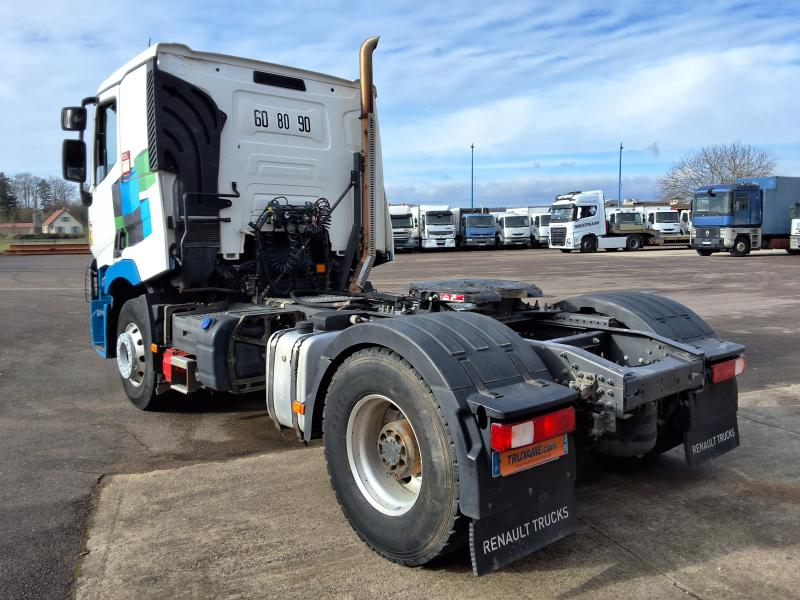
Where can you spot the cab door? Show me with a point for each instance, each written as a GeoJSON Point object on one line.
{"type": "Point", "coordinates": [105, 171]}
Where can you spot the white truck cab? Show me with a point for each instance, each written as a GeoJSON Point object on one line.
{"type": "Point", "coordinates": [794, 229]}
{"type": "Point", "coordinates": [580, 221]}
{"type": "Point", "coordinates": [664, 220]}
{"type": "Point", "coordinates": [540, 229]}
{"type": "Point", "coordinates": [405, 226]}
{"type": "Point", "coordinates": [513, 230]}
{"type": "Point", "coordinates": [437, 226]}
{"type": "Point", "coordinates": [686, 222]}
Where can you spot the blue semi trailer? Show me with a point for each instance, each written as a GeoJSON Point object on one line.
{"type": "Point", "coordinates": [751, 214]}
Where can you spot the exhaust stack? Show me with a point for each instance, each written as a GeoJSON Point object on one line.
{"type": "Point", "coordinates": [368, 193]}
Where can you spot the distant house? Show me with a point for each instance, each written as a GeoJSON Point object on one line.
{"type": "Point", "coordinates": [62, 221]}
{"type": "Point", "coordinates": [16, 229]}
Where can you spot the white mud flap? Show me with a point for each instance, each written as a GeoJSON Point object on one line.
{"type": "Point", "coordinates": [543, 515]}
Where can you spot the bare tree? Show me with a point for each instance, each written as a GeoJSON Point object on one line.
{"type": "Point", "coordinates": [25, 189]}
{"type": "Point", "coordinates": [723, 163]}
{"type": "Point", "coordinates": [62, 193]}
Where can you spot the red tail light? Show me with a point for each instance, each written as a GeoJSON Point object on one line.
{"type": "Point", "coordinates": [728, 369]}
{"type": "Point", "coordinates": [506, 436]}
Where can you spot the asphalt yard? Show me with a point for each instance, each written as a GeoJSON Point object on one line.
{"type": "Point", "coordinates": [207, 499]}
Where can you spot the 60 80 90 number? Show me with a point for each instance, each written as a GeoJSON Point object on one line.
{"type": "Point", "coordinates": [281, 120]}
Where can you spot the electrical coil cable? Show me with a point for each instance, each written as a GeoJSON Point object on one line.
{"type": "Point", "coordinates": [285, 253]}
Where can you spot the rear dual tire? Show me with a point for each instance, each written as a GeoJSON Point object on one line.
{"type": "Point", "coordinates": [408, 516]}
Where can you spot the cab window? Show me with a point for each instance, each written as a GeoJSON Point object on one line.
{"type": "Point", "coordinates": [741, 201]}
{"type": "Point", "coordinates": [105, 149]}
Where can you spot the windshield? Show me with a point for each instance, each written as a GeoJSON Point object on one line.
{"type": "Point", "coordinates": [562, 214]}
{"type": "Point", "coordinates": [718, 204]}
{"type": "Point", "coordinates": [544, 220]}
{"type": "Point", "coordinates": [517, 221]}
{"type": "Point", "coordinates": [399, 221]}
{"type": "Point", "coordinates": [628, 217]}
{"type": "Point", "coordinates": [667, 217]}
{"type": "Point", "coordinates": [439, 218]}
{"type": "Point", "coordinates": [480, 221]}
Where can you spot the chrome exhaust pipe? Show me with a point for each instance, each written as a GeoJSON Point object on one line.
{"type": "Point", "coordinates": [365, 75]}
{"type": "Point", "coordinates": [366, 258]}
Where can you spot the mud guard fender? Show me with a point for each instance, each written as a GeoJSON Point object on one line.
{"type": "Point", "coordinates": [470, 361]}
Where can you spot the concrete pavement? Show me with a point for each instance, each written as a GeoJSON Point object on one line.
{"type": "Point", "coordinates": [268, 526]}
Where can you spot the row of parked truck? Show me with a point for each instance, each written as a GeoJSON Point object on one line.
{"type": "Point", "coordinates": [737, 218]}
{"type": "Point", "coordinates": [580, 220]}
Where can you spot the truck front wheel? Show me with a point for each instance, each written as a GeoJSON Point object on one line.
{"type": "Point", "coordinates": [134, 359]}
{"type": "Point", "coordinates": [589, 244]}
{"type": "Point", "coordinates": [391, 459]}
{"type": "Point", "coordinates": [741, 246]}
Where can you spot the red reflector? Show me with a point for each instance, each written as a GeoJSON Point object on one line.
{"type": "Point", "coordinates": [166, 362]}
{"type": "Point", "coordinates": [555, 423]}
{"type": "Point", "coordinates": [506, 436]}
{"type": "Point", "coordinates": [728, 369]}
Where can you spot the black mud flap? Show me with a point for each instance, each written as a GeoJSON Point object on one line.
{"type": "Point", "coordinates": [713, 427]}
{"type": "Point", "coordinates": [544, 515]}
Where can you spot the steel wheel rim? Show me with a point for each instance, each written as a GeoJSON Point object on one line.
{"type": "Point", "coordinates": [130, 355]}
{"type": "Point", "coordinates": [383, 492]}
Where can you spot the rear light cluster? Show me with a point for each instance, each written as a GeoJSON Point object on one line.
{"type": "Point", "coordinates": [506, 436]}
{"type": "Point", "coordinates": [728, 369]}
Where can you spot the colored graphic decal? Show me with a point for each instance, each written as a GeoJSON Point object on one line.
{"type": "Point", "coordinates": [131, 201]}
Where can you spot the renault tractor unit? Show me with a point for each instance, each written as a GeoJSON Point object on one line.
{"type": "Point", "coordinates": [751, 214]}
{"type": "Point", "coordinates": [237, 211]}
{"type": "Point", "coordinates": [437, 226]}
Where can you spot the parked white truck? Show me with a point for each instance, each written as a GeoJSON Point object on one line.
{"type": "Point", "coordinates": [513, 230]}
{"type": "Point", "coordinates": [578, 221]}
{"type": "Point", "coordinates": [794, 237]}
{"type": "Point", "coordinates": [237, 211]}
{"type": "Point", "coordinates": [405, 226]}
{"type": "Point", "coordinates": [665, 222]}
{"type": "Point", "coordinates": [437, 226]}
{"type": "Point", "coordinates": [539, 217]}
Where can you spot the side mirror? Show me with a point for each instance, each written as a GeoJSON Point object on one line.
{"type": "Point", "coordinates": [73, 160]}
{"type": "Point", "coordinates": [73, 118]}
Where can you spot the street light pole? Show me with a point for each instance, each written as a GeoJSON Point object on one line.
{"type": "Point", "coordinates": [472, 176]}
{"type": "Point", "coordinates": [619, 180]}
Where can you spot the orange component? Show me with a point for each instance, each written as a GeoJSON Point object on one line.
{"type": "Point", "coordinates": [154, 348]}
{"type": "Point", "coordinates": [321, 267]}
{"type": "Point", "coordinates": [298, 407]}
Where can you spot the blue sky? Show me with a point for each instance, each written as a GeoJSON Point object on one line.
{"type": "Point", "coordinates": [545, 90]}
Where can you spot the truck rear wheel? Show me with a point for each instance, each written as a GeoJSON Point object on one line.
{"type": "Point", "coordinates": [704, 252]}
{"type": "Point", "coordinates": [391, 459]}
{"type": "Point", "coordinates": [634, 242]}
{"type": "Point", "coordinates": [134, 359]}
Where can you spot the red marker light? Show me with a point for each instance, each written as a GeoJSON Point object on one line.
{"type": "Point", "coordinates": [728, 369]}
{"type": "Point", "coordinates": [506, 436]}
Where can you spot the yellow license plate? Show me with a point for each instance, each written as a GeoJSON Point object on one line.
{"type": "Point", "coordinates": [519, 459]}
